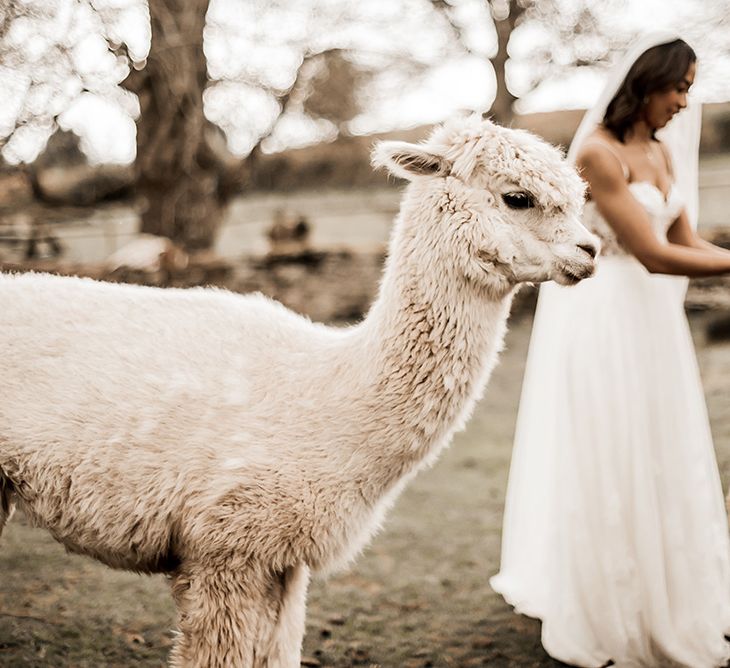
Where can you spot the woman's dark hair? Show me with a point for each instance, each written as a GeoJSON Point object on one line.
{"type": "Point", "coordinates": [658, 68]}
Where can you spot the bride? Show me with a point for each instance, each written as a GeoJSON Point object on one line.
{"type": "Point", "coordinates": [615, 533]}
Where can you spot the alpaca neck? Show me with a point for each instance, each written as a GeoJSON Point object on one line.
{"type": "Point", "coordinates": [434, 341]}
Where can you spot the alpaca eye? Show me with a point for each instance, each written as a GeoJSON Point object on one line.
{"type": "Point", "coordinates": [518, 200]}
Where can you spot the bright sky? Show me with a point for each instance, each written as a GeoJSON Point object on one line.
{"type": "Point", "coordinates": [260, 40]}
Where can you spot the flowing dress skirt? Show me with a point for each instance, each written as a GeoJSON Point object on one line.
{"type": "Point", "coordinates": [615, 531]}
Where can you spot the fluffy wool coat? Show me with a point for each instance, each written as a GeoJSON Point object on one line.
{"type": "Point", "coordinates": [234, 445]}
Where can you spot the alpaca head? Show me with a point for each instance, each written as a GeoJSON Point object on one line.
{"type": "Point", "coordinates": [499, 205]}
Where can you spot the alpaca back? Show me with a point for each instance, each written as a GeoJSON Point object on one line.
{"type": "Point", "coordinates": [105, 354]}
{"type": "Point", "coordinates": [173, 380]}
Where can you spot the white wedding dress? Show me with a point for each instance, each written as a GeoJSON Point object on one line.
{"type": "Point", "coordinates": [615, 532]}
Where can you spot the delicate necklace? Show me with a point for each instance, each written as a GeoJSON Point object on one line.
{"type": "Point", "coordinates": [649, 152]}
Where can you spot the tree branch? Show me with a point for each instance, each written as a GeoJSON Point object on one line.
{"type": "Point", "coordinates": [284, 99]}
{"type": "Point", "coordinates": [443, 8]}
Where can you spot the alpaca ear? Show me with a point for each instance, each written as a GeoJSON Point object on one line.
{"type": "Point", "coordinates": [409, 160]}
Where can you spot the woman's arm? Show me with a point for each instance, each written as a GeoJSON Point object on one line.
{"type": "Point", "coordinates": [681, 233]}
{"type": "Point", "coordinates": [630, 222]}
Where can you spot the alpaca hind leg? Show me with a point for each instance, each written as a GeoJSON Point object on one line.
{"type": "Point", "coordinates": [227, 615]}
{"type": "Point", "coordinates": [286, 648]}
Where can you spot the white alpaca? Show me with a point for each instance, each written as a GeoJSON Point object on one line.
{"type": "Point", "coordinates": [234, 445]}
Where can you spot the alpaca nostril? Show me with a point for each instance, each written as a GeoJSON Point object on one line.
{"type": "Point", "coordinates": [590, 249]}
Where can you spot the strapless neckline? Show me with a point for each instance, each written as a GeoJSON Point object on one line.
{"type": "Point", "coordinates": [656, 202]}
{"type": "Point", "coordinates": [662, 211]}
{"type": "Point", "coordinates": [652, 186]}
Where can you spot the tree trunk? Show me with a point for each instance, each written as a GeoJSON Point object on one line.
{"type": "Point", "coordinates": [502, 107]}
{"type": "Point", "coordinates": [177, 175]}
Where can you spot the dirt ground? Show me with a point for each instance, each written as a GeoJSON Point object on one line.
{"type": "Point", "coordinates": [417, 597]}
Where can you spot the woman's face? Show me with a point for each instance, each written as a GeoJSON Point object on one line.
{"type": "Point", "coordinates": [663, 105]}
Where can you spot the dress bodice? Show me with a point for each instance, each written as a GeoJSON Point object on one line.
{"type": "Point", "coordinates": [661, 212]}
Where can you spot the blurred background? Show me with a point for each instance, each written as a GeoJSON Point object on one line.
{"type": "Point", "coordinates": [226, 142]}
{"type": "Point", "coordinates": [215, 136]}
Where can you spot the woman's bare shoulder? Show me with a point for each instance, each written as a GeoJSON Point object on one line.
{"type": "Point", "coordinates": [599, 142]}
{"type": "Point", "coordinates": [601, 152]}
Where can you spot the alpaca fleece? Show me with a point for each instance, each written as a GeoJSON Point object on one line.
{"type": "Point", "coordinates": [234, 445]}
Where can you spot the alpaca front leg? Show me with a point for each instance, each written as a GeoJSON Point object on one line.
{"type": "Point", "coordinates": [6, 512]}
{"type": "Point", "coordinates": [286, 648]}
{"type": "Point", "coordinates": [7, 503]}
{"type": "Point", "coordinates": [227, 616]}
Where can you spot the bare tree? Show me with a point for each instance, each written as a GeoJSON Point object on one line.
{"type": "Point", "coordinates": [506, 16]}
{"type": "Point", "coordinates": [562, 53]}
{"type": "Point", "coordinates": [34, 61]}
{"type": "Point", "coordinates": [324, 87]}
{"type": "Point", "coordinates": [178, 172]}
{"type": "Point", "coordinates": [185, 173]}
